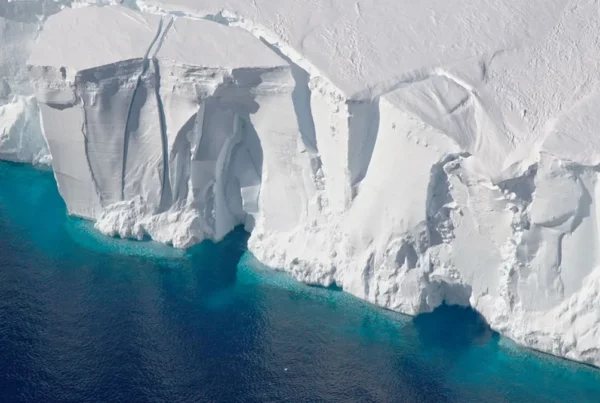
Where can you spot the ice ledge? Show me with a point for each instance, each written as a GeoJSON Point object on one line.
{"type": "Point", "coordinates": [460, 181]}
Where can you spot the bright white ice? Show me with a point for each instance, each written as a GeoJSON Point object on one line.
{"type": "Point", "coordinates": [409, 152]}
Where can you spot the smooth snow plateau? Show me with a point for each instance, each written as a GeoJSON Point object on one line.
{"type": "Point", "coordinates": [411, 154]}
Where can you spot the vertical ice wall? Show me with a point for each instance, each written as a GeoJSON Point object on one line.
{"type": "Point", "coordinates": [464, 181]}
{"type": "Point", "coordinates": [161, 134]}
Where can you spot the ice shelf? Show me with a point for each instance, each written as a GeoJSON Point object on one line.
{"type": "Point", "coordinates": [410, 153]}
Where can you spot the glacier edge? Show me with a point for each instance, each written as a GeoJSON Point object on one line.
{"type": "Point", "coordinates": [464, 224]}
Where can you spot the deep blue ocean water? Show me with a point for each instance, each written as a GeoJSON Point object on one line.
{"type": "Point", "coordinates": [84, 318]}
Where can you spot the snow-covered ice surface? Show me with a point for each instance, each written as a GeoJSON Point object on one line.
{"type": "Point", "coordinates": [409, 153]}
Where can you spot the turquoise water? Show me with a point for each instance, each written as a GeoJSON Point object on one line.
{"type": "Point", "coordinates": [84, 318]}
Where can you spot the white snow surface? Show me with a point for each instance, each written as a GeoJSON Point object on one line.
{"type": "Point", "coordinates": [411, 153]}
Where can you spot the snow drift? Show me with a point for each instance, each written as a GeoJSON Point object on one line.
{"type": "Point", "coordinates": [409, 154]}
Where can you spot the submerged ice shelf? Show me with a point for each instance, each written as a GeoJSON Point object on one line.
{"type": "Point", "coordinates": [461, 167]}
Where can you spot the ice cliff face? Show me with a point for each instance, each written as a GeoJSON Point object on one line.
{"type": "Point", "coordinates": [163, 139]}
{"type": "Point", "coordinates": [460, 166]}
